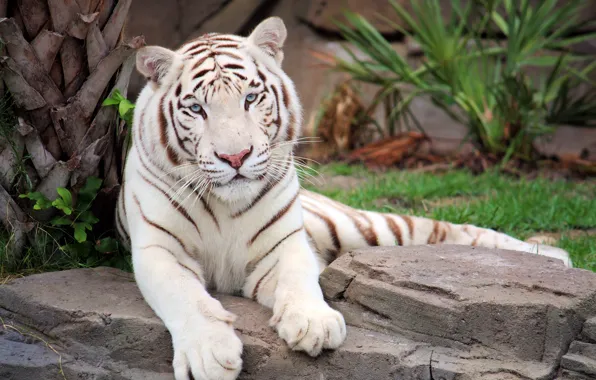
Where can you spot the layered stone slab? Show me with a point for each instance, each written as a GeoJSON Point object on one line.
{"type": "Point", "coordinates": [420, 313]}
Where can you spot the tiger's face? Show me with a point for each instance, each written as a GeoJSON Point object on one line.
{"type": "Point", "coordinates": [227, 113]}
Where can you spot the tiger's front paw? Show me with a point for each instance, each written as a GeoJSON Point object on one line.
{"type": "Point", "coordinates": [309, 326]}
{"type": "Point", "coordinates": [207, 351]}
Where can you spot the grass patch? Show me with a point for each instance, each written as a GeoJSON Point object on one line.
{"type": "Point", "coordinates": [45, 254]}
{"type": "Point", "coordinates": [518, 207]}
{"type": "Point", "coordinates": [582, 250]}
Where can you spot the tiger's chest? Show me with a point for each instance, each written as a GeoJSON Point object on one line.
{"type": "Point", "coordinates": [223, 248]}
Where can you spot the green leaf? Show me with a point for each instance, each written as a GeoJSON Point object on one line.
{"type": "Point", "coordinates": [79, 232]}
{"type": "Point", "coordinates": [41, 202]}
{"type": "Point", "coordinates": [113, 99]}
{"type": "Point", "coordinates": [88, 217]}
{"type": "Point", "coordinates": [124, 107]}
{"type": "Point", "coordinates": [61, 221]}
{"type": "Point", "coordinates": [110, 102]}
{"type": "Point", "coordinates": [92, 185]}
{"type": "Point", "coordinates": [107, 245]}
{"type": "Point", "coordinates": [61, 205]}
{"type": "Point", "coordinates": [65, 195]}
{"type": "Point", "coordinates": [88, 193]}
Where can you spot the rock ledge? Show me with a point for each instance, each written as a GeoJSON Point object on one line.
{"type": "Point", "coordinates": [419, 313]}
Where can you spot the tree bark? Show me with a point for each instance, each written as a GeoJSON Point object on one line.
{"type": "Point", "coordinates": [60, 59]}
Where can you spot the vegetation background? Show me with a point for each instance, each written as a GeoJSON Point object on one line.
{"type": "Point", "coordinates": [478, 111]}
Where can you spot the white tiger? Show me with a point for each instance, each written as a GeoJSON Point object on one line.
{"type": "Point", "coordinates": [211, 199]}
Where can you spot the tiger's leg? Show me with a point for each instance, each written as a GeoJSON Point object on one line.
{"type": "Point", "coordinates": [205, 344]}
{"type": "Point", "coordinates": [287, 280]}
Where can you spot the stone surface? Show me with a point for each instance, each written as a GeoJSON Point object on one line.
{"type": "Point", "coordinates": [580, 360]}
{"type": "Point", "coordinates": [452, 313]}
{"type": "Point", "coordinates": [572, 375]}
{"type": "Point", "coordinates": [523, 305]}
{"type": "Point", "coordinates": [589, 331]}
{"type": "Point", "coordinates": [579, 363]}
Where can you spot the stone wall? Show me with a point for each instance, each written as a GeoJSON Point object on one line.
{"type": "Point", "coordinates": [413, 313]}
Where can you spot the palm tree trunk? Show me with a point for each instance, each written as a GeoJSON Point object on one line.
{"type": "Point", "coordinates": [61, 59]}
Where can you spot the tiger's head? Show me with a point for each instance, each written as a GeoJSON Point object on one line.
{"type": "Point", "coordinates": [220, 110]}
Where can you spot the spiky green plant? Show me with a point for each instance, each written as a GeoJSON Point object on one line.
{"type": "Point", "coordinates": [483, 85]}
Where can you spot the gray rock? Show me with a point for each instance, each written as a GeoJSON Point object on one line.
{"type": "Point", "coordinates": [579, 363]}
{"type": "Point", "coordinates": [582, 348]}
{"type": "Point", "coordinates": [523, 305]}
{"type": "Point", "coordinates": [572, 375]}
{"type": "Point", "coordinates": [420, 314]}
{"type": "Point", "coordinates": [589, 331]}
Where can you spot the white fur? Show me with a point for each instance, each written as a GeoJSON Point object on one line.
{"type": "Point", "coordinates": [177, 255]}
{"type": "Point", "coordinates": [174, 272]}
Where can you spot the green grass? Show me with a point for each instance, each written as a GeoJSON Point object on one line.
{"type": "Point", "coordinates": [518, 207]}
{"type": "Point", "coordinates": [44, 254]}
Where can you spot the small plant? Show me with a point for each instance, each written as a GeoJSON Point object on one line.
{"type": "Point", "coordinates": [125, 106]}
{"type": "Point", "coordinates": [73, 224]}
{"type": "Point", "coordinates": [482, 84]}
{"type": "Point", "coordinates": [126, 112]}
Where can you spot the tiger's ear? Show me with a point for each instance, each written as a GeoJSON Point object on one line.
{"type": "Point", "coordinates": [155, 62]}
{"type": "Point", "coordinates": [270, 36]}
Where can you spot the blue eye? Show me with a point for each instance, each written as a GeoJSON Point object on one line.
{"type": "Point", "coordinates": [196, 108]}
{"type": "Point", "coordinates": [251, 97]}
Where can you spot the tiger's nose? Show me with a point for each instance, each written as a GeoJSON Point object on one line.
{"type": "Point", "coordinates": [235, 160]}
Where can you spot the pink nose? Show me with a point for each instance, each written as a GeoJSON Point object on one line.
{"type": "Point", "coordinates": [235, 160]}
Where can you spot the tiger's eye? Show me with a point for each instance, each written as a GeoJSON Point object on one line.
{"type": "Point", "coordinates": [196, 108]}
{"type": "Point", "coordinates": [251, 97]}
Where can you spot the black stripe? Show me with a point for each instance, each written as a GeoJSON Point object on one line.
{"type": "Point", "coordinates": [200, 74]}
{"type": "Point", "coordinates": [394, 229]}
{"type": "Point", "coordinates": [252, 265]}
{"type": "Point", "coordinates": [198, 276]}
{"type": "Point", "coordinates": [210, 212]}
{"type": "Point", "coordinates": [262, 193]}
{"type": "Point", "coordinates": [330, 227]}
{"type": "Point", "coordinates": [410, 224]}
{"type": "Point", "coordinates": [173, 123]}
{"type": "Point", "coordinates": [229, 54]}
{"type": "Point", "coordinates": [233, 66]}
{"type": "Point", "coordinates": [145, 166]}
{"type": "Point", "coordinates": [163, 134]}
{"type": "Point", "coordinates": [195, 45]}
{"type": "Point", "coordinates": [218, 37]}
{"type": "Point", "coordinates": [200, 62]}
{"type": "Point", "coordinates": [277, 121]}
{"type": "Point", "coordinates": [264, 95]}
{"type": "Point", "coordinates": [274, 219]}
{"type": "Point", "coordinates": [255, 291]}
{"type": "Point", "coordinates": [224, 46]}
{"type": "Point", "coordinates": [122, 205]}
{"type": "Point", "coordinates": [367, 232]}
{"type": "Point", "coordinates": [240, 76]}
{"type": "Point", "coordinates": [285, 95]}
{"type": "Point", "coordinates": [291, 130]}
{"type": "Point", "coordinates": [120, 226]}
{"type": "Point", "coordinates": [157, 226]}
{"type": "Point", "coordinates": [193, 53]}
{"type": "Point", "coordinates": [177, 206]}
{"type": "Point", "coordinates": [262, 76]}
